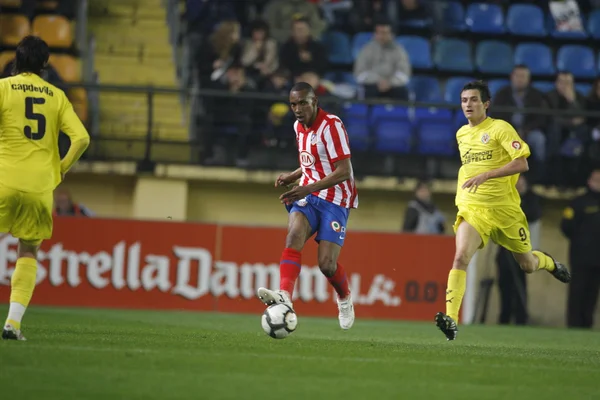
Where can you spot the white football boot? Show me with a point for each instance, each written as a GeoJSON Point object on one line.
{"type": "Point", "coordinates": [270, 297]}
{"type": "Point", "coordinates": [346, 315]}
{"type": "Point", "coordinates": [11, 333]}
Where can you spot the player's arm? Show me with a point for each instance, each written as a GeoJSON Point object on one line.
{"type": "Point", "coordinates": [516, 166]}
{"type": "Point", "coordinates": [342, 172]}
{"type": "Point", "coordinates": [288, 178]}
{"type": "Point", "coordinates": [71, 125]}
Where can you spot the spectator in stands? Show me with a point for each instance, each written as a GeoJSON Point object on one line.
{"type": "Point", "coordinates": [221, 50]}
{"type": "Point", "coordinates": [329, 7]}
{"type": "Point", "coordinates": [259, 55]}
{"type": "Point", "coordinates": [366, 12]}
{"type": "Point", "coordinates": [512, 281]}
{"type": "Point", "coordinates": [422, 216]}
{"type": "Point", "coordinates": [65, 206]}
{"type": "Point", "coordinates": [383, 66]}
{"type": "Point", "coordinates": [572, 133]}
{"type": "Point", "coordinates": [531, 127]}
{"type": "Point", "coordinates": [278, 114]}
{"type": "Point", "coordinates": [228, 120]}
{"type": "Point", "coordinates": [409, 11]}
{"type": "Point", "coordinates": [301, 52]}
{"type": "Point", "coordinates": [280, 13]}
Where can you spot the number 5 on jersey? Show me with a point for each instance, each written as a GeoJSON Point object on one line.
{"type": "Point", "coordinates": [32, 115]}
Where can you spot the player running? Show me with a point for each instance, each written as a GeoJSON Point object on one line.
{"type": "Point", "coordinates": [32, 112]}
{"type": "Point", "coordinates": [493, 155]}
{"type": "Point", "coordinates": [320, 204]}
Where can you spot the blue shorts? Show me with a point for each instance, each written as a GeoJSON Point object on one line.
{"type": "Point", "coordinates": [325, 218]}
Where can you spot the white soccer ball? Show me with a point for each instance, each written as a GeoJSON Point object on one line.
{"type": "Point", "coordinates": [279, 320]}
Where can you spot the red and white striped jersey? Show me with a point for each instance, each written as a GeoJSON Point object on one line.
{"type": "Point", "coordinates": [320, 146]}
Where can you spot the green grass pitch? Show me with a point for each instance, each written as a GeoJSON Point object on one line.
{"type": "Point", "coordinates": [106, 354]}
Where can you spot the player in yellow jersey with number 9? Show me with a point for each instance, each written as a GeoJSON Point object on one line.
{"type": "Point", "coordinates": [32, 113]}
{"type": "Point", "coordinates": [493, 155]}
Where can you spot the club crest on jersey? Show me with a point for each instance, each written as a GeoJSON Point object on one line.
{"type": "Point", "coordinates": [306, 159]}
{"type": "Point", "coordinates": [313, 138]}
{"type": "Point", "coordinates": [336, 226]}
{"type": "Point", "coordinates": [516, 145]}
{"type": "Point", "coordinates": [485, 138]}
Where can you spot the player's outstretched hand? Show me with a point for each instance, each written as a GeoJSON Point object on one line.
{"type": "Point", "coordinates": [473, 183]}
{"type": "Point", "coordinates": [284, 179]}
{"type": "Point", "coordinates": [297, 193]}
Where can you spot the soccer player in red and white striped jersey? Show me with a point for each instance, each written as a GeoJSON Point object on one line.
{"type": "Point", "coordinates": [320, 204]}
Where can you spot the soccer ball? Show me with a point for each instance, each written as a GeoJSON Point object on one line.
{"type": "Point", "coordinates": [279, 320]}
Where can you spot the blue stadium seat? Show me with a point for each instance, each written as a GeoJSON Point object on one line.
{"type": "Point", "coordinates": [386, 112]}
{"type": "Point", "coordinates": [497, 84]}
{"type": "Point", "coordinates": [436, 138]}
{"type": "Point", "coordinates": [453, 55]}
{"type": "Point", "coordinates": [418, 49]}
{"type": "Point", "coordinates": [485, 18]}
{"type": "Point", "coordinates": [583, 88]}
{"type": "Point", "coordinates": [355, 110]}
{"type": "Point", "coordinates": [338, 47]}
{"type": "Point", "coordinates": [543, 86]}
{"type": "Point", "coordinates": [537, 56]}
{"type": "Point", "coordinates": [453, 16]}
{"type": "Point", "coordinates": [593, 24]}
{"type": "Point", "coordinates": [459, 119]}
{"type": "Point", "coordinates": [494, 57]}
{"type": "Point", "coordinates": [453, 88]}
{"type": "Point", "coordinates": [358, 42]}
{"type": "Point", "coordinates": [526, 20]}
{"type": "Point", "coordinates": [394, 136]}
{"type": "Point", "coordinates": [578, 59]}
{"type": "Point", "coordinates": [432, 114]}
{"type": "Point", "coordinates": [425, 88]}
{"type": "Point", "coordinates": [551, 23]}
{"type": "Point", "coordinates": [358, 133]}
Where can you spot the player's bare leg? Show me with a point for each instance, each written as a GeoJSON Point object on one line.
{"type": "Point", "coordinates": [22, 285]}
{"type": "Point", "coordinates": [468, 241]}
{"type": "Point", "coordinates": [328, 255]}
{"type": "Point", "coordinates": [299, 231]}
{"type": "Point", "coordinates": [536, 260]}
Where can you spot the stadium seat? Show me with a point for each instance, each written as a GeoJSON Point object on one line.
{"type": "Point", "coordinates": [13, 28]}
{"type": "Point", "coordinates": [453, 88]}
{"type": "Point", "coordinates": [359, 41]}
{"type": "Point", "coordinates": [54, 29]}
{"type": "Point", "coordinates": [78, 98]}
{"type": "Point", "coordinates": [432, 114]}
{"type": "Point", "coordinates": [394, 136]}
{"type": "Point", "coordinates": [338, 47]}
{"type": "Point", "coordinates": [436, 138]}
{"type": "Point", "coordinates": [67, 67]}
{"type": "Point", "coordinates": [526, 20]}
{"type": "Point", "coordinates": [5, 58]}
{"type": "Point", "coordinates": [583, 88]}
{"type": "Point", "coordinates": [453, 55]}
{"type": "Point", "coordinates": [494, 57]}
{"type": "Point", "coordinates": [355, 111]}
{"type": "Point", "coordinates": [485, 18]}
{"type": "Point", "coordinates": [593, 24]}
{"type": "Point", "coordinates": [10, 3]}
{"type": "Point", "coordinates": [425, 89]}
{"type": "Point", "coordinates": [497, 84]}
{"type": "Point", "coordinates": [537, 56]}
{"type": "Point", "coordinates": [578, 59]}
{"type": "Point", "coordinates": [385, 112]}
{"type": "Point", "coordinates": [453, 16]}
{"type": "Point", "coordinates": [543, 86]}
{"type": "Point", "coordinates": [565, 34]}
{"type": "Point", "coordinates": [459, 119]}
{"type": "Point", "coordinates": [47, 5]}
{"type": "Point", "coordinates": [358, 133]}
{"type": "Point", "coordinates": [418, 49]}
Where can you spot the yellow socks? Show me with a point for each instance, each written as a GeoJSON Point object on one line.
{"type": "Point", "coordinates": [457, 281]}
{"type": "Point", "coordinates": [545, 262]}
{"type": "Point", "coordinates": [22, 284]}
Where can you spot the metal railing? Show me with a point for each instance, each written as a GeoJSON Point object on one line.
{"type": "Point", "coordinates": [187, 141]}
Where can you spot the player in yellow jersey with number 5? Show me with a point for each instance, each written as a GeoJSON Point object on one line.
{"type": "Point", "coordinates": [32, 112]}
{"type": "Point", "coordinates": [493, 155]}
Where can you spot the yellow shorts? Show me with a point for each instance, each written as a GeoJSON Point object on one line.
{"type": "Point", "coordinates": [26, 216]}
{"type": "Point", "coordinates": [506, 226]}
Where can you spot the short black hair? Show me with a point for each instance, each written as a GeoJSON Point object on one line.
{"type": "Point", "coordinates": [483, 88]}
{"type": "Point", "coordinates": [520, 66]}
{"type": "Point", "coordinates": [31, 56]}
{"type": "Point", "coordinates": [302, 86]}
{"type": "Point", "coordinates": [260, 25]}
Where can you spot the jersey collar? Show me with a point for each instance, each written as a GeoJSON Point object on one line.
{"type": "Point", "coordinates": [320, 117]}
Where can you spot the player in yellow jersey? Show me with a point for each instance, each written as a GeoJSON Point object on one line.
{"type": "Point", "coordinates": [32, 112]}
{"type": "Point", "coordinates": [493, 155]}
